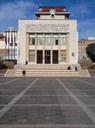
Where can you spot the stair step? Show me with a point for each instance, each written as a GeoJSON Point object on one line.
{"type": "Point", "coordinates": [44, 70]}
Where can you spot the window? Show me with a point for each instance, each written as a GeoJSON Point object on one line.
{"type": "Point", "coordinates": [52, 16]}
{"type": "Point", "coordinates": [32, 40]}
{"type": "Point", "coordinates": [55, 40]}
{"type": "Point", "coordinates": [39, 39]}
{"type": "Point", "coordinates": [15, 52]}
{"type": "Point", "coordinates": [63, 56]}
{"type": "Point", "coordinates": [47, 39]}
{"type": "Point", "coordinates": [11, 52]}
{"type": "Point", "coordinates": [62, 41]}
{"type": "Point", "coordinates": [15, 44]}
{"type": "Point", "coordinates": [31, 55]}
{"type": "Point", "coordinates": [11, 44]}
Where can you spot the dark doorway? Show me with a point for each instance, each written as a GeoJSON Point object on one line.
{"type": "Point", "coordinates": [39, 56]}
{"type": "Point", "coordinates": [47, 57]}
{"type": "Point", "coordinates": [55, 57]}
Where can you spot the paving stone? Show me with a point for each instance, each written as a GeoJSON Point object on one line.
{"type": "Point", "coordinates": [91, 80]}
{"type": "Point", "coordinates": [92, 108]}
{"type": "Point", "coordinates": [10, 91]}
{"type": "Point", "coordinates": [51, 95]}
{"type": "Point", "coordinates": [1, 107]}
{"type": "Point", "coordinates": [88, 100]}
{"type": "Point", "coordinates": [46, 100]}
{"type": "Point", "coordinates": [45, 115]}
{"type": "Point", "coordinates": [46, 92]}
{"type": "Point", "coordinates": [5, 99]}
{"type": "Point", "coordinates": [12, 87]}
{"type": "Point", "coordinates": [86, 87]}
{"type": "Point", "coordinates": [78, 92]}
{"type": "Point", "coordinates": [90, 92]}
{"type": "Point", "coordinates": [48, 126]}
{"type": "Point", "coordinates": [46, 87]}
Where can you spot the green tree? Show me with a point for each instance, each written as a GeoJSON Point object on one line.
{"type": "Point", "coordinates": [90, 51]}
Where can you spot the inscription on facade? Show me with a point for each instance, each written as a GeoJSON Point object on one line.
{"type": "Point", "coordinates": [47, 27]}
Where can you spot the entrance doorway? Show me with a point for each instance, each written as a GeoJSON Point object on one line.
{"type": "Point", "coordinates": [55, 56]}
{"type": "Point", "coordinates": [39, 56]}
{"type": "Point", "coordinates": [47, 56]}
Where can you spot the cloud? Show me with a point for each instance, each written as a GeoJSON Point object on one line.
{"type": "Point", "coordinates": [11, 12]}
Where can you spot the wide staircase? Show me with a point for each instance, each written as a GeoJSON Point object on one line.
{"type": "Point", "coordinates": [46, 70]}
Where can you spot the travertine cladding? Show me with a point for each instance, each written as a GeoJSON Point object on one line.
{"type": "Point", "coordinates": [71, 28]}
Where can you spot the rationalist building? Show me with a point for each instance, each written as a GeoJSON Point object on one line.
{"type": "Point", "coordinates": [51, 38]}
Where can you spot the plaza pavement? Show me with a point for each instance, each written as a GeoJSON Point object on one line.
{"type": "Point", "coordinates": [47, 102]}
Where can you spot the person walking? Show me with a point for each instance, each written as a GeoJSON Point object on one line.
{"type": "Point", "coordinates": [23, 72]}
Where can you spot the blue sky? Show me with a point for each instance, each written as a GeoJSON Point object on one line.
{"type": "Point", "coordinates": [81, 10]}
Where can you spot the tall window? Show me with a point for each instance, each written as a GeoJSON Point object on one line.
{"type": "Point", "coordinates": [47, 39]}
{"type": "Point", "coordinates": [15, 52]}
{"type": "Point", "coordinates": [55, 39]}
{"type": "Point", "coordinates": [31, 55]}
{"type": "Point", "coordinates": [62, 41]}
{"type": "Point", "coordinates": [63, 55]}
{"type": "Point", "coordinates": [40, 39]}
{"type": "Point", "coordinates": [32, 40]}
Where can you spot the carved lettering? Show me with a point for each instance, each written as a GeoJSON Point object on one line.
{"type": "Point", "coordinates": [47, 27]}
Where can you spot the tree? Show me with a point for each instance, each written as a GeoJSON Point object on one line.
{"type": "Point", "coordinates": [90, 51]}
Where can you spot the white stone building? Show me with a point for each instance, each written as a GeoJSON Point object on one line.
{"type": "Point", "coordinates": [8, 45]}
{"type": "Point", "coordinates": [2, 46]}
{"type": "Point", "coordinates": [51, 38]}
{"type": "Point", "coordinates": [11, 44]}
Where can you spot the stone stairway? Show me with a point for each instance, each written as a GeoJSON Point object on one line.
{"type": "Point", "coordinates": [2, 72]}
{"type": "Point", "coordinates": [10, 73]}
{"type": "Point", "coordinates": [84, 73]}
{"type": "Point", "coordinates": [44, 70]}
{"type": "Point", "coordinates": [47, 66]}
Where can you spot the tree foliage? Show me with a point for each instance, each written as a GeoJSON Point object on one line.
{"type": "Point", "coordinates": [90, 51]}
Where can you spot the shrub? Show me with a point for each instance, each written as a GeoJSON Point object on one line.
{"type": "Point", "coordinates": [9, 64]}
{"type": "Point", "coordinates": [2, 66]}
{"type": "Point", "coordinates": [93, 66]}
{"type": "Point", "coordinates": [85, 63]}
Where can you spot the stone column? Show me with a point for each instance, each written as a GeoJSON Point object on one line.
{"type": "Point", "coordinates": [43, 48]}
{"type": "Point", "coordinates": [27, 46]}
{"type": "Point", "coordinates": [35, 48]}
{"type": "Point", "coordinates": [51, 49]}
{"type": "Point", "coordinates": [67, 48]}
{"type": "Point", "coordinates": [59, 48]}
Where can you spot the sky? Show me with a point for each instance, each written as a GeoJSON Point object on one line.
{"type": "Point", "coordinates": [81, 10]}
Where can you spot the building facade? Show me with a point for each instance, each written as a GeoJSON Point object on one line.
{"type": "Point", "coordinates": [11, 45]}
{"type": "Point", "coordinates": [8, 45]}
{"type": "Point", "coordinates": [51, 38]}
{"type": "Point", "coordinates": [2, 46]}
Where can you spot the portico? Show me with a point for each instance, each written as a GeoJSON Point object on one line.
{"type": "Point", "coordinates": [47, 48]}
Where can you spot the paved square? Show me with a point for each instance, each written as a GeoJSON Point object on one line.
{"type": "Point", "coordinates": [47, 102]}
